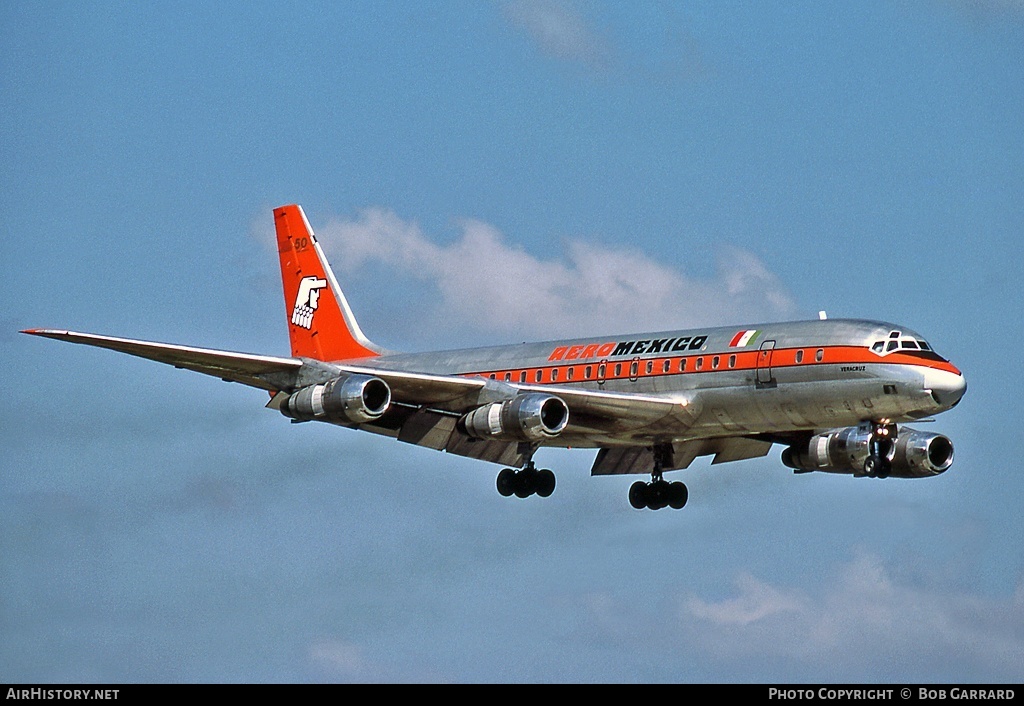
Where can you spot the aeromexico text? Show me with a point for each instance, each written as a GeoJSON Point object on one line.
{"type": "Point", "coordinates": [614, 348]}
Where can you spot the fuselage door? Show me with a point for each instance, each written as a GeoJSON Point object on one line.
{"type": "Point", "coordinates": [764, 365]}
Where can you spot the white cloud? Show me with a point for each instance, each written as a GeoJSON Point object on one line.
{"type": "Point", "coordinates": [486, 282]}
{"type": "Point", "coordinates": [558, 28]}
{"type": "Point", "coordinates": [861, 617]}
{"type": "Point", "coordinates": [339, 659]}
{"type": "Point", "coordinates": [756, 601]}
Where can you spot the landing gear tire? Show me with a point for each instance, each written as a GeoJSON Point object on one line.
{"type": "Point", "coordinates": [677, 495]}
{"type": "Point", "coordinates": [545, 482]}
{"type": "Point", "coordinates": [524, 483]}
{"type": "Point", "coordinates": [638, 495]}
{"type": "Point", "coordinates": [658, 494]}
{"type": "Point", "coordinates": [506, 482]}
{"type": "Point", "coordinates": [877, 467]}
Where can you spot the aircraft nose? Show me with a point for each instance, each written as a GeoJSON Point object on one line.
{"type": "Point", "coordinates": [947, 388]}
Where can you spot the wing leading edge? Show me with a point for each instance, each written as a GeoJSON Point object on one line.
{"type": "Point", "coordinates": [262, 371]}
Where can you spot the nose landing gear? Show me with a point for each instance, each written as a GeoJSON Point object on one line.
{"type": "Point", "coordinates": [881, 447]}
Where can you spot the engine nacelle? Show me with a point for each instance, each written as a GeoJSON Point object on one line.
{"type": "Point", "coordinates": [355, 398]}
{"type": "Point", "coordinates": [530, 417]}
{"type": "Point", "coordinates": [921, 454]}
{"type": "Point", "coordinates": [915, 454]}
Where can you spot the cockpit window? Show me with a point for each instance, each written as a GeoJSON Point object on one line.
{"type": "Point", "coordinates": [898, 341]}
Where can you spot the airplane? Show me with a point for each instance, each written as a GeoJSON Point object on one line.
{"type": "Point", "coordinates": [833, 392]}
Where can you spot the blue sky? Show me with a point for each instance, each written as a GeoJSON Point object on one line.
{"type": "Point", "coordinates": [497, 172]}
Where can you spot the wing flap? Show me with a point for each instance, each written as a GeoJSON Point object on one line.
{"type": "Point", "coordinates": [436, 430]}
{"type": "Point", "coordinates": [640, 459]}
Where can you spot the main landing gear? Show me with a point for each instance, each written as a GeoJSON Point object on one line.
{"type": "Point", "coordinates": [659, 492]}
{"type": "Point", "coordinates": [529, 479]}
{"type": "Point", "coordinates": [881, 448]}
{"type": "Point", "coordinates": [526, 481]}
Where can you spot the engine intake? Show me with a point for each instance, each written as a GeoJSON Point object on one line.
{"type": "Point", "coordinates": [355, 398]}
{"type": "Point", "coordinates": [529, 417]}
{"type": "Point", "coordinates": [915, 454]}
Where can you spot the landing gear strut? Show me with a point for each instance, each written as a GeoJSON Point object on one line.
{"type": "Point", "coordinates": [659, 492]}
{"type": "Point", "coordinates": [527, 480]}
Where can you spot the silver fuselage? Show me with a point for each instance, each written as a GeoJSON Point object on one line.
{"type": "Point", "coordinates": [787, 377]}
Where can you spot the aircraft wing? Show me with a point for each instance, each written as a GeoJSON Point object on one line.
{"type": "Point", "coordinates": [246, 368]}
{"type": "Point", "coordinates": [425, 406]}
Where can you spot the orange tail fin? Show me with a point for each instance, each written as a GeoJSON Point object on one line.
{"type": "Point", "coordinates": [320, 322]}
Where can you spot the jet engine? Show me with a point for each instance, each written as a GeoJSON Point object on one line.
{"type": "Point", "coordinates": [530, 417]}
{"type": "Point", "coordinates": [913, 454]}
{"type": "Point", "coordinates": [354, 398]}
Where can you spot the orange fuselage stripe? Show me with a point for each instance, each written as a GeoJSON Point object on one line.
{"type": "Point", "coordinates": [706, 363]}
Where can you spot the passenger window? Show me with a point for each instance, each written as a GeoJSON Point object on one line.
{"type": "Point", "coordinates": [682, 365]}
{"type": "Point", "coordinates": [618, 369]}
{"type": "Point", "coordinates": [508, 377]}
{"type": "Point", "coordinates": [650, 367]}
{"type": "Point", "coordinates": [700, 363]}
{"type": "Point", "coordinates": [820, 355]}
{"type": "Point", "coordinates": [588, 371]}
{"type": "Point", "coordinates": [799, 356]}
{"type": "Point", "coordinates": [568, 373]}
{"type": "Point", "coordinates": [522, 376]}
{"type": "Point", "coordinates": [732, 361]}
{"type": "Point", "coordinates": [540, 375]}
{"type": "Point", "coordinates": [666, 366]}
{"type": "Point", "coordinates": [714, 362]}
{"type": "Point", "coordinates": [554, 375]}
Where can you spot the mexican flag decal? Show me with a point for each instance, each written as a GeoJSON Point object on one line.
{"type": "Point", "coordinates": [743, 338]}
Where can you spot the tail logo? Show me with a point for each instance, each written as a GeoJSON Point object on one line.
{"type": "Point", "coordinates": [307, 301]}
